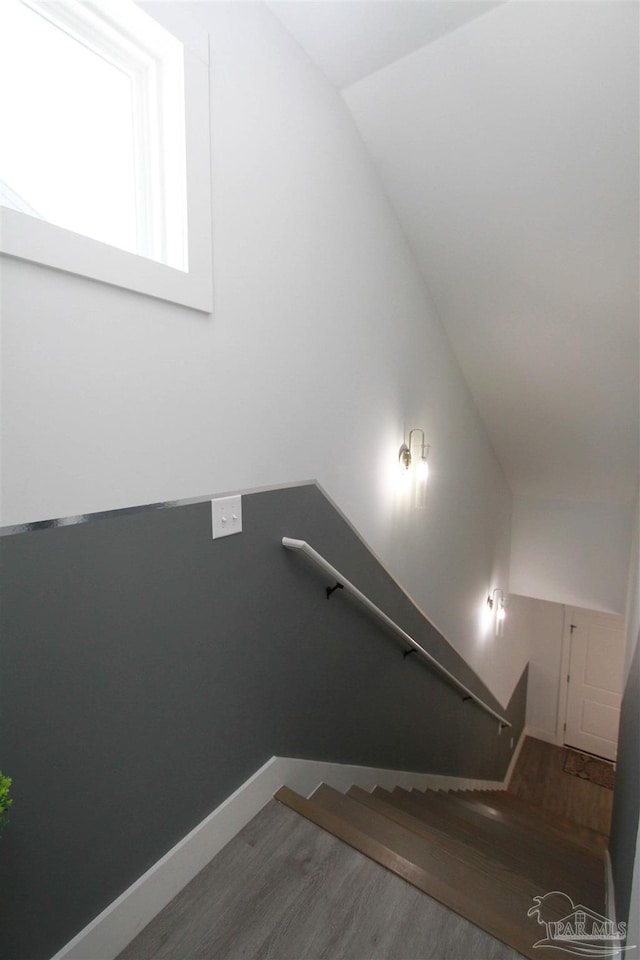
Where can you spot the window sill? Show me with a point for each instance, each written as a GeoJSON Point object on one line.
{"type": "Point", "coordinates": [28, 238]}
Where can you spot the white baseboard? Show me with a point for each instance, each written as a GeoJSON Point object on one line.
{"type": "Point", "coordinates": [110, 932]}
{"type": "Point", "coordinates": [609, 892]}
{"type": "Point", "coordinates": [514, 756]}
{"type": "Point", "coordinates": [544, 735]}
{"type": "Point", "coordinates": [305, 775]}
{"type": "Point", "coordinates": [617, 950]}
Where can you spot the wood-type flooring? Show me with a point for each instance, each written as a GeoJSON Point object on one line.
{"type": "Point", "coordinates": [286, 890]}
{"type": "Point", "coordinates": [539, 777]}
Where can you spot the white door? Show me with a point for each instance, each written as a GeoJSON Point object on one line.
{"type": "Point", "coordinates": [594, 691]}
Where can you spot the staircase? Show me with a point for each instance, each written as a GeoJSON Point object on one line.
{"type": "Point", "coordinates": [484, 854]}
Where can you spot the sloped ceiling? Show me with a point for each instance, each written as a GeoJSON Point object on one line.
{"type": "Point", "coordinates": [350, 39]}
{"type": "Point", "coordinates": [506, 136]}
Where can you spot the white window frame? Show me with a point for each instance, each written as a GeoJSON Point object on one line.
{"type": "Point", "coordinates": [28, 238]}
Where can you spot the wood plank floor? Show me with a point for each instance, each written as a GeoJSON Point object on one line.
{"type": "Point", "coordinates": [283, 889]}
{"type": "Point", "coordinates": [286, 890]}
{"type": "Point", "coordinates": [539, 777]}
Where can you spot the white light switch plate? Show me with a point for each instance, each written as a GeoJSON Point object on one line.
{"type": "Point", "coordinates": [226, 516]}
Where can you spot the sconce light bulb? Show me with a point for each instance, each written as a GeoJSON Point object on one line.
{"type": "Point", "coordinates": [414, 467]}
{"type": "Point", "coordinates": [422, 476]}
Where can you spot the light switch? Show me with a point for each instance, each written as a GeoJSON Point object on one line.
{"type": "Point", "coordinates": [226, 516]}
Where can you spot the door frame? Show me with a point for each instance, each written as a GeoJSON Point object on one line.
{"type": "Point", "coordinates": [565, 661]}
{"type": "Point", "coordinates": [563, 690]}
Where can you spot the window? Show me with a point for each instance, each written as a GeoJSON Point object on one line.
{"type": "Point", "coordinates": [104, 160]}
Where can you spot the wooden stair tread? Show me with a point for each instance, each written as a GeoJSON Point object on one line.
{"type": "Point", "coordinates": [579, 875]}
{"type": "Point", "coordinates": [509, 821]}
{"type": "Point", "coordinates": [499, 908]}
{"type": "Point", "coordinates": [478, 847]}
{"type": "Point", "coordinates": [576, 833]}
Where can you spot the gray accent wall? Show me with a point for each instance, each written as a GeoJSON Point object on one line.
{"type": "Point", "coordinates": [625, 817]}
{"type": "Point", "coordinates": [146, 671]}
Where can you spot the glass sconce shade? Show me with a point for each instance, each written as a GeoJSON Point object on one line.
{"type": "Point", "coordinates": [500, 611]}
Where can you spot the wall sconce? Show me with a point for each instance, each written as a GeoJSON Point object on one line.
{"type": "Point", "coordinates": [414, 459]}
{"type": "Point", "coordinates": [498, 602]}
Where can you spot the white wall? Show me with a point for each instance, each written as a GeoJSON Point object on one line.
{"type": "Point", "coordinates": [572, 552]}
{"type": "Point", "coordinates": [633, 630]}
{"type": "Point", "coordinates": [536, 627]}
{"type": "Point", "coordinates": [633, 591]}
{"type": "Point", "coordinates": [323, 349]}
{"type": "Point", "coordinates": [546, 623]}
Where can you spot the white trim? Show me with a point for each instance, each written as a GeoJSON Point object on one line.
{"type": "Point", "coordinates": [566, 718]}
{"type": "Point", "coordinates": [20, 527]}
{"type": "Point", "coordinates": [504, 704]}
{"type": "Point", "coordinates": [610, 905]}
{"type": "Point", "coordinates": [609, 891]}
{"type": "Point", "coordinates": [181, 24]}
{"type": "Point", "coordinates": [565, 660]}
{"type": "Point", "coordinates": [526, 732]}
{"type": "Point", "coordinates": [27, 238]}
{"type": "Point", "coordinates": [633, 920]}
{"type": "Point", "coordinates": [305, 775]}
{"type": "Point", "coordinates": [110, 932]}
{"type": "Point", "coordinates": [541, 734]}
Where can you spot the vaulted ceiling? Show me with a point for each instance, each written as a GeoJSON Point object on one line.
{"type": "Point", "coordinates": [507, 137]}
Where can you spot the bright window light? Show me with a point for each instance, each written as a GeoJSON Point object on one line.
{"type": "Point", "coordinates": [92, 131]}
